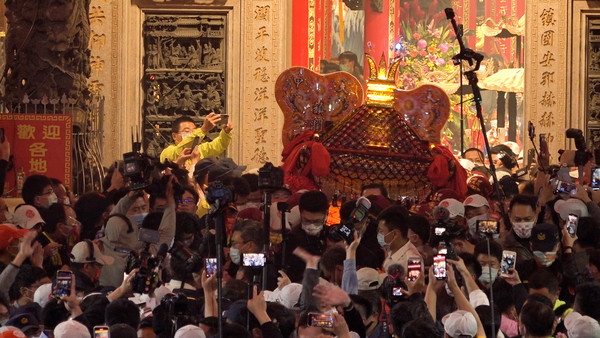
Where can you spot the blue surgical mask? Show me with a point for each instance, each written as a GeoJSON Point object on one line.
{"type": "Point", "coordinates": [543, 257]}
{"type": "Point", "coordinates": [381, 239]}
{"type": "Point", "coordinates": [138, 219]}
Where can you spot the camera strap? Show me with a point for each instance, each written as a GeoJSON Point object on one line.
{"type": "Point", "coordinates": [124, 218]}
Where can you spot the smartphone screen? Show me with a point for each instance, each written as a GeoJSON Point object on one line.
{"type": "Point", "coordinates": [414, 268]}
{"type": "Point", "coordinates": [397, 291]}
{"type": "Point", "coordinates": [595, 185]}
{"type": "Point", "coordinates": [254, 259]}
{"type": "Point", "coordinates": [101, 332]}
{"type": "Point", "coordinates": [572, 224]}
{"type": "Point", "coordinates": [320, 320]}
{"type": "Point", "coordinates": [509, 259]}
{"type": "Point", "coordinates": [439, 266]}
{"type": "Point", "coordinates": [439, 231]}
{"type": "Point", "coordinates": [63, 283]}
{"type": "Point", "coordinates": [487, 227]}
{"type": "Point", "coordinates": [210, 265]}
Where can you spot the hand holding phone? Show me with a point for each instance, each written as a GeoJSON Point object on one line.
{"type": "Point", "coordinates": [509, 260]}
{"type": "Point", "coordinates": [572, 223]}
{"type": "Point", "coordinates": [414, 268]}
{"type": "Point", "coordinates": [64, 281]}
{"type": "Point", "coordinates": [320, 319]}
{"type": "Point", "coordinates": [210, 266]}
{"type": "Point", "coordinates": [439, 267]}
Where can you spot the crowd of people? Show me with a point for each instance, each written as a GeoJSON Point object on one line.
{"type": "Point", "coordinates": [517, 259]}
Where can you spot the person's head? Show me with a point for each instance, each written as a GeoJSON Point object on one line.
{"type": "Point", "coordinates": [182, 127]}
{"type": "Point", "coordinates": [474, 155]}
{"type": "Point", "coordinates": [503, 157]}
{"type": "Point", "coordinates": [588, 233]}
{"type": "Point", "coordinates": [158, 202]}
{"type": "Point", "coordinates": [490, 264]}
{"type": "Point", "coordinates": [122, 330]}
{"type": "Point", "coordinates": [348, 60]}
{"type": "Point", "coordinates": [485, 315]}
{"type": "Point", "coordinates": [392, 226]}
{"type": "Point", "coordinates": [53, 314]}
{"type": "Point", "coordinates": [138, 207]}
{"type": "Point", "coordinates": [189, 201]}
{"type": "Point", "coordinates": [536, 318]}
{"type": "Point", "coordinates": [255, 196]}
{"type": "Point", "coordinates": [246, 237]}
{"type": "Point", "coordinates": [544, 243]}
{"type": "Point", "coordinates": [71, 329]}
{"type": "Point", "coordinates": [60, 190]}
{"type": "Point", "coordinates": [420, 327]}
{"type": "Point", "coordinates": [477, 208]}
{"type": "Point", "coordinates": [37, 191]}
{"type": "Point", "coordinates": [122, 311]}
{"type": "Point", "coordinates": [305, 330]}
{"type": "Point", "coordinates": [58, 223]}
{"type": "Point", "coordinates": [87, 259]}
{"type": "Point", "coordinates": [369, 310]}
{"type": "Point", "coordinates": [543, 282]}
{"type": "Point", "coordinates": [313, 208]}
{"type": "Point", "coordinates": [186, 227]}
{"type": "Point", "coordinates": [92, 209]}
{"type": "Point", "coordinates": [418, 229]}
{"type": "Point", "coordinates": [241, 189]}
{"type": "Point", "coordinates": [587, 298]}
{"type": "Point", "coordinates": [145, 329]}
{"type": "Point", "coordinates": [459, 323]}
{"type": "Point", "coordinates": [332, 264]}
{"type": "Point", "coordinates": [27, 281]}
{"type": "Point", "coordinates": [522, 215]}
{"type": "Point", "coordinates": [375, 189]}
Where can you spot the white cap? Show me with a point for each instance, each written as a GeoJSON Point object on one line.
{"type": "Point", "coordinates": [89, 252]}
{"type": "Point", "coordinates": [570, 206]}
{"type": "Point", "coordinates": [190, 331]}
{"type": "Point", "coordinates": [476, 201]}
{"type": "Point", "coordinates": [579, 326]}
{"type": "Point", "coordinates": [289, 295]}
{"type": "Point", "coordinates": [43, 294]}
{"type": "Point", "coordinates": [466, 163]}
{"type": "Point", "coordinates": [369, 279]}
{"type": "Point", "coordinates": [454, 207]}
{"type": "Point", "coordinates": [460, 322]}
{"type": "Point", "coordinates": [71, 329]}
{"type": "Point", "coordinates": [27, 216]}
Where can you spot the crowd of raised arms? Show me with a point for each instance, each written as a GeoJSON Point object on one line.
{"type": "Point", "coordinates": [138, 259]}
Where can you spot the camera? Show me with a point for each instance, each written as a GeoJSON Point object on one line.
{"type": "Point", "coordinates": [137, 168]}
{"type": "Point", "coordinates": [145, 279]}
{"type": "Point", "coordinates": [582, 155]}
{"type": "Point", "coordinates": [346, 228]}
{"type": "Point", "coordinates": [182, 310]}
{"type": "Point", "coordinates": [220, 194]}
{"type": "Point", "coordinates": [193, 262]}
{"type": "Point", "coordinates": [270, 177]}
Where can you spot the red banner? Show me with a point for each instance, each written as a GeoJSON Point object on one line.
{"type": "Point", "coordinates": [40, 144]}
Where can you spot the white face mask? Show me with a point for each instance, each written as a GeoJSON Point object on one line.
{"type": "Point", "coordinates": [488, 275]}
{"type": "Point", "coordinates": [523, 229]}
{"type": "Point", "coordinates": [52, 199]}
{"type": "Point", "coordinates": [235, 255]}
{"type": "Point", "coordinates": [312, 229]}
{"type": "Point", "coordinates": [9, 216]}
{"type": "Point", "coordinates": [184, 135]}
{"type": "Point", "coordinates": [472, 222]}
{"type": "Point", "coordinates": [138, 219]}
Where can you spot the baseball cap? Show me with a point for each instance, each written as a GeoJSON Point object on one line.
{"type": "Point", "coordinates": [571, 206]}
{"type": "Point", "coordinates": [289, 295]}
{"type": "Point", "coordinates": [369, 279]}
{"type": "Point", "coordinates": [8, 233]}
{"type": "Point", "coordinates": [27, 217]}
{"type": "Point", "coordinates": [467, 164]}
{"type": "Point", "coordinates": [43, 294]}
{"type": "Point", "coordinates": [579, 326]}
{"type": "Point", "coordinates": [544, 237]}
{"type": "Point", "coordinates": [71, 329]}
{"type": "Point", "coordinates": [88, 252]}
{"type": "Point", "coordinates": [480, 185]}
{"type": "Point", "coordinates": [459, 323]}
{"type": "Point", "coordinates": [11, 332]}
{"type": "Point", "coordinates": [454, 206]}
{"type": "Point", "coordinates": [476, 201]}
{"type": "Point", "coordinates": [190, 331]}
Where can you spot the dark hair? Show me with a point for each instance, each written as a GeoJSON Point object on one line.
{"type": "Point", "coordinates": [495, 249]}
{"type": "Point", "coordinates": [420, 328]}
{"type": "Point", "coordinates": [122, 311]}
{"type": "Point", "coordinates": [94, 308]}
{"type": "Point", "coordinates": [154, 197]}
{"type": "Point", "coordinates": [503, 295]}
{"type": "Point", "coordinates": [587, 298]}
{"type": "Point", "coordinates": [34, 186]}
{"type": "Point", "coordinates": [365, 304]}
{"type": "Point", "coordinates": [251, 230]}
{"type": "Point", "coordinates": [395, 218]}
{"type": "Point", "coordinates": [375, 185]}
{"type": "Point", "coordinates": [193, 192]}
{"type": "Point", "coordinates": [482, 169]}
{"type": "Point", "coordinates": [122, 331]}
{"type": "Point", "coordinates": [26, 277]}
{"type": "Point", "coordinates": [502, 147]}
{"type": "Point", "coordinates": [185, 224]}
{"type": "Point", "coordinates": [240, 185]}
{"type": "Point", "coordinates": [152, 221]}
{"type": "Point", "coordinates": [52, 216]}
{"type": "Point", "coordinates": [406, 311]}
{"type": "Point", "coordinates": [479, 152]}
{"type": "Point", "coordinates": [588, 232]}
{"type": "Point", "coordinates": [529, 188]}
{"type": "Point", "coordinates": [53, 314]}
{"type": "Point", "coordinates": [485, 315]}
{"type": "Point", "coordinates": [177, 123]}
{"type": "Point", "coordinates": [235, 289]}
{"type": "Point", "coordinates": [420, 226]}
{"type": "Point", "coordinates": [314, 201]}
{"type": "Point", "coordinates": [471, 263]}
{"type": "Point", "coordinates": [333, 256]}
{"type": "Point", "coordinates": [350, 56]}
{"type": "Point", "coordinates": [89, 209]}
{"type": "Point", "coordinates": [252, 180]}
{"type": "Point", "coordinates": [537, 316]}
{"type": "Point", "coordinates": [543, 278]}
{"type": "Point", "coordinates": [526, 200]}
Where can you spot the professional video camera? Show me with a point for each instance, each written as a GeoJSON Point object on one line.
{"type": "Point", "coordinates": [149, 268]}
{"type": "Point", "coordinates": [346, 229]}
{"type": "Point", "coordinates": [218, 194]}
{"type": "Point", "coordinates": [393, 286]}
{"type": "Point", "coordinates": [446, 229]}
{"type": "Point", "coordinates": [582, 155]}
{"type": "Point", "coordinates": [193, 261]}
{"type": "Point", "coordinates": [182, 310]}
{"type": "Point", "coordinates": [270, 177]}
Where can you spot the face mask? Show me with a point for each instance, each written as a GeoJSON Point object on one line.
{"type": "Point", "coordinates": [381, 239]}
{"type": "Point", "coordinates": [312, 229]}
{"type": "Point", "coordinates": [52, 199]}
{"type": "Point", "coordinates": [472, 222]}
{"type": "Point", "coordinates": [523, 229]}
{"type": "Point", "coordinates": [67, 201]}
{"type": "Point", "coordinates": [183, 136]}
{"type": "Point", "coordinates": [545, 258]}
{"type": "Point", "coordinates": [488, 275]}
{"type": "Point", "coordinates": [344, 68]}
{"type": "Point", "coordinates": [138, 219]}
{"type": "Point", "coordinates": [235, 255]}
{"type": "Point", "coordinates": [448, 291]}
{"type": "Point", "coordinates": [3, 322]}
{"type": "Point", "coordinates": [9, 216]}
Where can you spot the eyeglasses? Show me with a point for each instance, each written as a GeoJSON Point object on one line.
{"type": "Point", "coordinates": [187, 201]}
{"type": "Point", "coordinates": [47, 193]}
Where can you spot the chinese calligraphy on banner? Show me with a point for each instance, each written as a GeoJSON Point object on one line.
{"type": "Point", "coordinates": [40, 144]}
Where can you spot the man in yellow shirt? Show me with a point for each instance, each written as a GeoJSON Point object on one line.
{"type": "Point", "coordinates": [184, 132]}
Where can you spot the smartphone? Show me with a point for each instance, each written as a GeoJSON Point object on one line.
{"type": "Point", "coordinates": [224, 119]}
{"type": "Point", "coordinates": [509, 259]}
{"type": "Point", "coordinates": [439, 231]}
{"type": "Point", "coordinates": [64, 279]}
{"type": "Point", "coordinates": [595, 184]}
{"type": "Point", "coordinates": [210, 265]}
{"type": "Point", "coordinates": [397, 291]}
{"type": "Point", "coordinates": [101, 331]}
{"type": "Point", "coordinates": [195, 143]}
{"type": "Point", "coordinates": [488, 227]}
{"type": "Point", "coordinates": [439, 266]}
{"type": "Point", "coordinates": [320, 319]}
{"type": "Point", "coordinates": [564, 187]}
{"type": "Point", "coordinates": [414, 268]}
{"type": "Point", "coordinates": [253, 259]}
{"type": "Point", "coordinates": [572, 224]}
